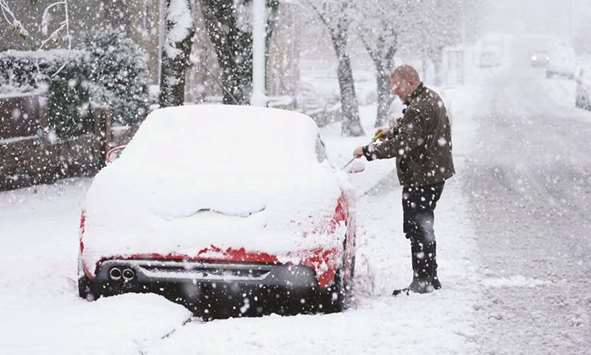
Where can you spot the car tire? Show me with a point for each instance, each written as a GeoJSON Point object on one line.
{"type": "Point", "coordinates": [87, 289]}
{"type": "Point", "coordinates": [332, 299]}
{"type": "Point", "coordinates": [338, 296]}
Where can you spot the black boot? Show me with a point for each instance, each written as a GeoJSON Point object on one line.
{"type": "Point", "coordinates": [432, 251]}
{"type": "Point", "coordinates": [424, 264]}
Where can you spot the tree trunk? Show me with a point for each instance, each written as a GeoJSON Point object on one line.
{"type": "Point", "coordinates": [175, 56]}
{"type": "Point", "coordinates": [424, 68]}
{"type": "Point", "coordinates": [382, 51]}
{"type": "Point", "coordinates": [438, 65]}
{"type": "Point", "coordinates": [351, 125]}
{"type": "Point", "coordinates": [233, 49]}
{"type": "Point", "coordinates": [384, 91]}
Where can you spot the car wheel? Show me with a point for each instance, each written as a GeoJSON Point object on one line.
{"type": "Point", "coordinates": [338, 296]}
{"type": "Point", "coordinates": [87, 289]}
{"type": "Point", "coordinates": [333, 298]}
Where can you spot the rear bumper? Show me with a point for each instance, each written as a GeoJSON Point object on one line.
{"type": "Point", "coordinates": [155, 272]}
{"type": "Point", "coordinates": [213, 289]}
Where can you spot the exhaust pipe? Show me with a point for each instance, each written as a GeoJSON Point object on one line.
{"type": "Point", "coordinates": [128, 274]}
{"type": "Point", "coordinates": [115, 274]}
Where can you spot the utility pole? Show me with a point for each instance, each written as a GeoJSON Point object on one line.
{"type": "Point", "coordinates": [161, 35]}
{"type": "Point", "coordinates": [258, 53]}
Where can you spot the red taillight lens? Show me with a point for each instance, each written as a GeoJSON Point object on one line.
{"type": "Point", "coordinates": [82, 226]}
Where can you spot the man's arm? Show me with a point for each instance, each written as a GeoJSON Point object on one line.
{"type": "Point", "coordinates": [401, 139]}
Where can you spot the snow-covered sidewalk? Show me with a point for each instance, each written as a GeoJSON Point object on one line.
{"type": "Point", "coordinates": [39, 306]}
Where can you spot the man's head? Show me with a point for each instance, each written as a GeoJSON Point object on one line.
{"type": "Point", "coordinates": [404, 80]}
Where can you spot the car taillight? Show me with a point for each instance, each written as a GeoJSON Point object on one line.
{"type": "Point", "coordinates": [340, 214]}
{"type": "Point", "coordinates": [82, 226]}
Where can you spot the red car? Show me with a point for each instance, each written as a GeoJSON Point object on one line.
{"type": "Point", "coordinates": [229, 210]}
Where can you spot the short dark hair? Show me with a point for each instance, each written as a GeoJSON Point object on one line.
{"type": "Point", "coordinates": [406, 72]}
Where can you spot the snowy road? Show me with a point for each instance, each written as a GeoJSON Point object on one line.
{"type": "Point", "coordinates": [529, 186]}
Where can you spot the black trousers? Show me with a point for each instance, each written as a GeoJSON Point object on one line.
{"type": "Point", "coordinates": [418, 206]}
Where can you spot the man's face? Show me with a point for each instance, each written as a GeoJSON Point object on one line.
{"type": "Point", "coordinates": [400, 87]}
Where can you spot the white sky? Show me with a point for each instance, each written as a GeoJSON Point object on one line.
{"type": "Point", "coordinates": [555, 17]}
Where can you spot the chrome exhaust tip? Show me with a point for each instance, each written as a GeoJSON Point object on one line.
{"type": "Point", "coordinates": [115, 274]}
{"type": "Point", "coordinates": [128, 274]}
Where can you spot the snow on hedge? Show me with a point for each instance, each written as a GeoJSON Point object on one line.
{"type": "Point", "coordinates": [28, 71]}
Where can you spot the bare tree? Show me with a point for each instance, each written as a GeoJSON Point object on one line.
{"type": "Point", "coordinates": [175, 52]}
{"type": "Point", "coordinates": [228, 26]}
{"type": "Point", "coordinates": [61, 30]}
{"type": "Point", "coordinates": [379, 24]}
{"type": "Point", "coordinates": [434, 24]}
{"type": "Point", "coordinates": [11, 19]}
{"type": "Point", "coordinates": [337, 16]}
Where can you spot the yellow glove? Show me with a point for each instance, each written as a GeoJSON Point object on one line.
{"type": "Point", "coordinates": [380, 133]}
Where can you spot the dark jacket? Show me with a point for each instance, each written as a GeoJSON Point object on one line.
{"type": "Point", "coordinates": [420, 141]}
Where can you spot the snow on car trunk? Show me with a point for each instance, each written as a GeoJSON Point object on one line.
{"type": "Point", "coordinates": [229, 176]}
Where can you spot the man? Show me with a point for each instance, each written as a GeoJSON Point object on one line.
{"type": "Point", "coordinates": [421, 143]}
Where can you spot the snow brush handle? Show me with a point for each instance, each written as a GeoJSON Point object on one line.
{"type": "Point", "coordinates": [348, 163]}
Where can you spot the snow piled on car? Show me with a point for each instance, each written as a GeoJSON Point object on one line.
{"type": "Point", "coordinates": [202, 175]}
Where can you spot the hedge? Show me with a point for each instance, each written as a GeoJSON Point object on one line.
{"type": "Point", "coordinates": [107, 69]}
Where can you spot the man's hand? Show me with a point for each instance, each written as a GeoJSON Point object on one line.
{"type": "Point", "coordinates": [379, 134]}
{"type": "Point", "coordinates": [358, 152]}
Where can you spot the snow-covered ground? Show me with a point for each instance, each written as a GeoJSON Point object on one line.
{"type": "Point", "coordinates": [41, 312]}
{"type": "Point", "coordinates": [485, 276]}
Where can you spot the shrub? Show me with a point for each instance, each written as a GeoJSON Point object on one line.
{"type": "Point", "coordinates": [118, 75]}
{"type": "Point", "coordinates": [107, 70]}
{"type": "Point", "coordinates": [68, 102]}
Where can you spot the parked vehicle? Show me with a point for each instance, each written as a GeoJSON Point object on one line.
{"type": "Point", "coordinates": [562, 63]}
{"type": "Point", "coordinates": [583, 89]}
{"type": "Point", "coordinates": [228, 210]}
{"type": "Point", "coordinates": [539, 59]}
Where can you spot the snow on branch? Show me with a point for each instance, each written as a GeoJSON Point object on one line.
{"type": "Point", "coordinates": [62, 26]}
{"type": "Point", "coordinates": [180, 25]}
{"type": "Point", "coordinates": [16, 25]}
{"type": "Point", "coordinates": [244, 18]}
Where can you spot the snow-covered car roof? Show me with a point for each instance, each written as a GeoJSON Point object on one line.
{"type": "Point", "coordinates": [224, 139]}
{"type": "Point", "coordinates": [193, 176]}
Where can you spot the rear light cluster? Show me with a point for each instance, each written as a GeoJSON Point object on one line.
{"type": "Point", "coordinates": [125, 274]}
{"type": "Point", "coordinates": [82, 229]}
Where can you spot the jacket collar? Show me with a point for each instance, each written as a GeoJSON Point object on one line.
{"type": "Point", "coordinates": [416, 93]}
